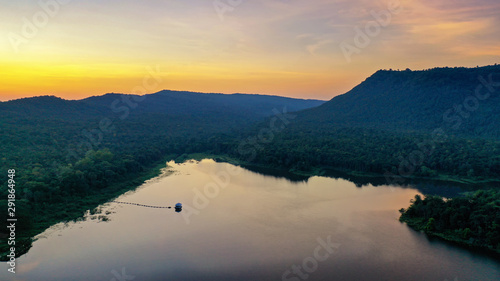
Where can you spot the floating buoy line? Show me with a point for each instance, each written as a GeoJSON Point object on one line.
{"type": "Point", "coordinates": [177, 207]}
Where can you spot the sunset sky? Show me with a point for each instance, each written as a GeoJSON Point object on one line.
{"type": "Point", "coordinates": [75, 49]}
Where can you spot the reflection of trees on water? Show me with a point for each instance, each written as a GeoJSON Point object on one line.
{"type": "Point", "coordinates": [424, 186]}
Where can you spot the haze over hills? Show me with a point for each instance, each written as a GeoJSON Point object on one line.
{"type": "Point", "coordinates": [463, 101]}
{"type": "Point", "coordinates": [191, 103]}
{"type": "Point", "coordinates": [170, 103]}
{"type": "Point", "coordinates": [49, 107]}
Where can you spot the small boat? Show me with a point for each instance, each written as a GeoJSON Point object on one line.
{"type": "Point", "coordinates": [178, 207]}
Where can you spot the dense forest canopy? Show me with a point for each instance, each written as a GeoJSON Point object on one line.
{"type": "Point", "coordinates": [471, 220]}
{"type": "Point", "coordinates": [461, 101]}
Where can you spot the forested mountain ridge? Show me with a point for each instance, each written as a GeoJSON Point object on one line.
{"type": "Point", "coordinates": [462, 101]}
{"type": "Point", "coordinates": [47, 126]}
{"type": "Point", "coordinates": [168, 103]}
{"type": "Point", "coordinates": [442, 122]}
{"type": "Point", "coordinates": [181, 103]}
{"type": "Point", "coordinates": [48, 108]}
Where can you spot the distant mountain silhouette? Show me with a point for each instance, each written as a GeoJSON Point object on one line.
{"type": "Point", "coordinates": [49, 107]}
{"type": "Point", "coordinates": [177, 103]}
{"type": "Point", "coordinates": [418, 101]}
{"type": "Point", "coordinates": [188, 108]}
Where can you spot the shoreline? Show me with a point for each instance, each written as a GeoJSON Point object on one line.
{"type": "Point", "coordinates": [133, 182]}
{"type": "Point", "coordinates": [336, 172]}
{"type": "Point", "coordinates": [416, 225]}
{"type": "Point", "coordinates": [86, 203]}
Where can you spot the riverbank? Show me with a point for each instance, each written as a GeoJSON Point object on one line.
{"type": "Point", "coordinates": [355, 176]}
{"type": "Point", "coordinates": [419, 224]}
{"type": "Point", "coordinates": [75, 207]}
{"type": "Point", "coordinates": [470, 220]}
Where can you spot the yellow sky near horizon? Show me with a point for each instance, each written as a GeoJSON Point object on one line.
{"type": "Point", "coordinates": [75, 49]}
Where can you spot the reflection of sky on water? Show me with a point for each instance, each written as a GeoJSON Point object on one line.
{"type": "Point", "coordinates": [254, 228]}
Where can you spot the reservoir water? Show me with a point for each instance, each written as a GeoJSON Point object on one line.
{"type": "Point", "coordinates": [241, 225]}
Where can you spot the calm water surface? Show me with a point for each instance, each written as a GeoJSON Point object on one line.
{"type": "Point", "coordinates": [241, 225]}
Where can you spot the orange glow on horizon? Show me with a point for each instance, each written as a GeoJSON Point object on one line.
{"type": "Point", "coordinates": [287, 49]}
